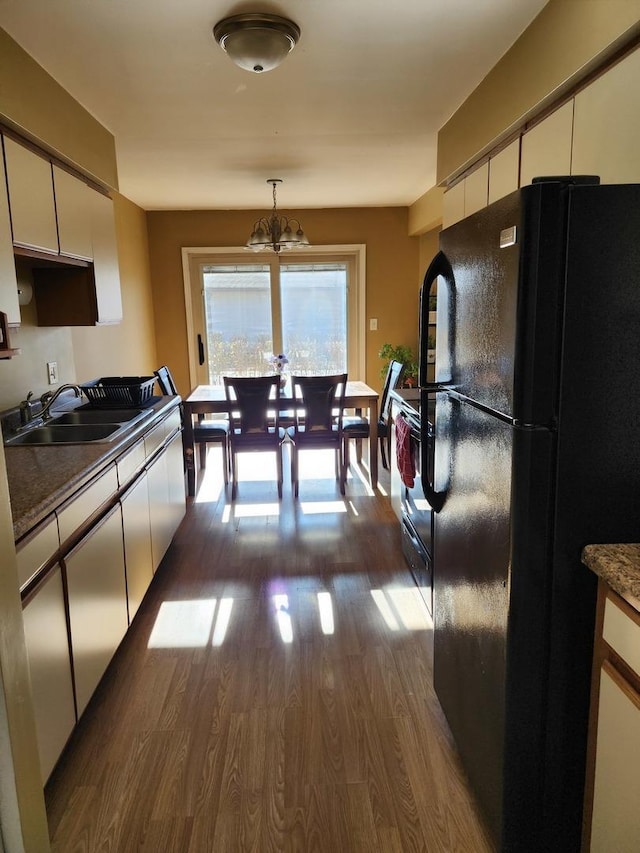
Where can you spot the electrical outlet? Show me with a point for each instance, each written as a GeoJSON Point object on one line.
{"type": "Point", "coordinates": [373, 325]}
{"type": "Point", "coordinates": [52, 372]}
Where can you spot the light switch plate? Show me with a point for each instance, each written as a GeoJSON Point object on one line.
{"type": "Point", "coordinates": [373, 325]}
{"type": "Point", "coordinates": [52, 372]}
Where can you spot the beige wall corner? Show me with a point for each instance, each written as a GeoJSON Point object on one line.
{"type": "Point", "coordinates": [567, 40]}
{"type": "Point", "coordinates": [34, 105]}
{"type": "Point", "coordinates": [429, 247]}
{"type": "Point", "coordinates": [425, 213]}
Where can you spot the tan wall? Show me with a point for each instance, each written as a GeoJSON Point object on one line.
{"type": "Point", "coordinates": [391, 265]}
{"type": "Point", "coordinates": [35, 105]}
{"type": "Point", "coordinates": [429, 247]}
{"type": "Point", "coordinates": [565, 41]}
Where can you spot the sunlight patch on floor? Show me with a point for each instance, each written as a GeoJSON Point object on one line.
{"type": "Point", "coordinates": [320, 507]}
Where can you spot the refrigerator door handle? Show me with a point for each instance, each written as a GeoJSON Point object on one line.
{"type": "Point", "coordinates": [427, 450]}
{"type": "Point", "coordinates": [439, 266]}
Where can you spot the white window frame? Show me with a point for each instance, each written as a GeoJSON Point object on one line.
{"type": "Point", "coordinates": [194, 256]}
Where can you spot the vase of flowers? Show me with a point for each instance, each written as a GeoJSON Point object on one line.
{"type": "Point", "coordinates": [278, 363]}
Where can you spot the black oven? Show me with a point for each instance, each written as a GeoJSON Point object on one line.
{"type": "Point", "coordinates": [417, 515]}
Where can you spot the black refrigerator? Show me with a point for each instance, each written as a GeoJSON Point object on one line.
{"type": "Point", "coordinates": [536, 454]}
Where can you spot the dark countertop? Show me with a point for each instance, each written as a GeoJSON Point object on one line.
{"type": "Point", "coordinates": [617, 565]}
{"type": "Point", "coordinates": [40, 478]}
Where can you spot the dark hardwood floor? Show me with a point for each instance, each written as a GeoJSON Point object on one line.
{"type": "Point", "coordinates": [273, 693]}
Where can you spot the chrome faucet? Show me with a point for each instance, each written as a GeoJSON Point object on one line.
{"type": "Point", "coordinates": [48, 399]}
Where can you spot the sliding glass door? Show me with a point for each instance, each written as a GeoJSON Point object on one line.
{"type": "Point", "coordinates": [243, 312]}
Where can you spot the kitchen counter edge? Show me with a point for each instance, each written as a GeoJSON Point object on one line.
{"type": "Point", "coordinates": [42, 477]}
{"type": "Point", "coordinates": [619, 566]}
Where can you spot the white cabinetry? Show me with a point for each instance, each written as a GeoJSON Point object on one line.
{"type": "Point", "coordinates": [137, 543]}
{"type": "Point", "coordinates": [466, 197]}
{"type": "Point", "coordinates": [45, 629]}
{"type": "Point", "coordinates": [504, 171]}
{"type": "Point", "coordinates": [97, 603]}
{"type": "Point", "coordinates": [546, 148]}
{"type": "Point", "coordinates": [105, 259]}
{"type": "Point", "coordinates": [166, 489]}
{"type": "Point", "coordinates": [33, 212]}
{"type": "Point", "coordinates": [613, 776]}
{"type": "Point", "coordinates": [36, 550]}
{"type": "Point", "coordinates": [8, 282]}
{"type": "Point", "coordinates": [73, 208]}
{"type": "Point", "coordinates": [607, 125]}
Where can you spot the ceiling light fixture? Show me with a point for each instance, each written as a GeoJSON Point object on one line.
{"type": "Point", "coordinates": [276, 232]}
{"type": "Point", "coordinates": [257, 42]}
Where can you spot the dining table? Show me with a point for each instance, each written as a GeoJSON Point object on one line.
{"type": "Point", "coordinates": [211, 399]}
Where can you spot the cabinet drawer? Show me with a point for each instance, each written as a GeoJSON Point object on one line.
{"type": "Point", "coordinates": [154, 439]}
{"type": "Point", "coordinates": [72, 516]}
{"type": "Point", "coordinates": [621, 631]}
{"type": "Point", "coordinates": [35, 552]}
{"type": "Point", "coordinates": [131, 462]}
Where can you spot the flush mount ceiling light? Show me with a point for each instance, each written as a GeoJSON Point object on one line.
{"type": "Point", "coordinates": [276, 232]}
{"type": "Point", "coordinates": [257, 42]}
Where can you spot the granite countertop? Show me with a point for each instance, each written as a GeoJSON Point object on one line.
{"type": "Point", "coordinates": [41, 477]}
{"type": "Point", "coordinates": [619, 566]}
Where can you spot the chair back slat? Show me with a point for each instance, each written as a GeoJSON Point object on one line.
{"type": "Point", "coordinates": [255, 403]}
{"type": "Point", "coordinates": [165, 381]}
{"type": "Point", "coordinates": [391, 382]}
{"type": "Point", "coordinates": [317, 400]}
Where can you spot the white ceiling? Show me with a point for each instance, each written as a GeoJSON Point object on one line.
{"type": "Point", "coordinates": [348, 120]}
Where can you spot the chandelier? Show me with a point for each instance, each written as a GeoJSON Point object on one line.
{"type": "Point", "coordinates": [276, 232]}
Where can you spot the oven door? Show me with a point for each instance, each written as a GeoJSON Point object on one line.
{"type": "Point", "coordinates": [417, 522]}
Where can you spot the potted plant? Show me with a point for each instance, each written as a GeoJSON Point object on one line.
{"type": "Point", "coordinates": [389, 353]}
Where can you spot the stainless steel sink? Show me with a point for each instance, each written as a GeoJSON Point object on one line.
{"type": "Point", "coordinates": [55, 433]}
{"type": "Point", "coordinates": [101, 416]}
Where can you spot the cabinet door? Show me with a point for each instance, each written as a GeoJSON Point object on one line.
{"type": "Point", "coordinates": [105, 259]}
{"type": "Point", "coordinates": [97, 603]}
{"type": "Point", "coordinates": [476, 190]}
{"type": "Point", "coordinates": [504, 172]}
{"type": "Point", "coordinates": [137, 543]}
{"type": "Point", "coordinates": [45, 630]}
{"type": "Point", "coordinates": [35, 551]}
{"type": "Point", "coordinates": [453, 205]}
{"type": "Point", "coordinates": [176, 482]}
{"type": "Point", "coordinates": [73, 207]}
{"type": "Point", "coordinates": [30, 182]}
{"type": "Point", "coordinates": [607, 125]}
{"type": "Point", "coordinates": [159, 517]}
{"type": "Point", "coordinates": [546, 148]}
{"type": "Point", "coordinates": [8, 281]}
{"type": "Point", "coordinates": [615, 822]}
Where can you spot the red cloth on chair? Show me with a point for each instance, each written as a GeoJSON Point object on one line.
{"type": "Point", "coordinates": [404, 452]}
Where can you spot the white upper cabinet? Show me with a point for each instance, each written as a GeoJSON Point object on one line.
{"type": "Point", "coordinates": [504, 171]}
{"type": "Point", "coordinates": [33, 212]}
{"type": "Point", "coordinates": [8, 283]}
{"type": "Point", "coordinates": [546, 148]}
{"type": "Point", "coordinates": [466, 197]}
{"type": "Point", "coordinates": [105, 259]}
{"type": "Point", "coordinates": [476, 190]}
{"type": "Point", "coordinates": [607, 125]}
{"type": "Point", "coordinates": [453, 205]}
{"type": "Point", "coordinates": [73, 207]}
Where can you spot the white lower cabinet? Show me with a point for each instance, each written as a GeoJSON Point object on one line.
{"type": "Point", "coordinates": [166, 497]}
{"type": "Point", "coordinates": [97, 603]}
{"type": "Point", "coordinates": [615, 822]}
{"type": "Point", "coordinates": [45, 629]}
{"type": "Point", "coordinates": [137, 543]}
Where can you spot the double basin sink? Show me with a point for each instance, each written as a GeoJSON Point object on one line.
{"type": "Point", "coordinates": [80, 426]}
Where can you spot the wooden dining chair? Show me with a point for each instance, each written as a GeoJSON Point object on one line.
{"type": "Point", "coordinates": [204, 431]}
{"type": "Point", "coordinates": [318, 407]}
{"type": "Point", "coordinates": [254, 420]}
{"type": "Point", "coordinates": [356, 427]}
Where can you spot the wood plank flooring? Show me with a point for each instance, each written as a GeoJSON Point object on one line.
{"type": "Point", "coordinates": [273, 693]}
